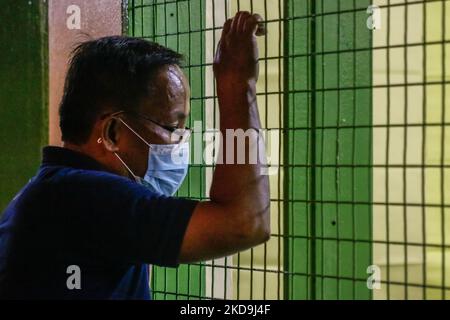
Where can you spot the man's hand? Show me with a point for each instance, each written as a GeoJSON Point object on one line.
{"type": "Point", "coordinates": [236, 58]}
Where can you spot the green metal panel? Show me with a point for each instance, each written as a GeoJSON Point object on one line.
{"type": "Point", "coordinates": [328, 150]}
{"type": "Point", "coordinates": [178, 25]}
{"type": "Point", "coordinates": [327, 147]}
{"type": "Point", "coordinates": [344, 149]}
{"type": "Point", "coordinates": [23, 93]}
{"type": "Point", "coordinates": [296, 153]}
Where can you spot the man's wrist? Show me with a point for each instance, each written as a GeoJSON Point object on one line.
{"type": "Point", "coordinates": [235, 85]}
{"type": "Point", "coordinates": [236, 94]}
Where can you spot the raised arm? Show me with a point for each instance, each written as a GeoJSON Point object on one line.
{"type": "Point", "coordinates": [238, 215]}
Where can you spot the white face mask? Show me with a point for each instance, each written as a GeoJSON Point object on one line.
{"type": "Point", "coordinates": [166, 168]}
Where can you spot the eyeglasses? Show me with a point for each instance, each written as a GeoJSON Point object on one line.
{"type": "Point", "coordinates": [182, 133]}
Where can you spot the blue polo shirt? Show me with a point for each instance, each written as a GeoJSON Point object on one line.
{"type": "Point", "coordinates": [74, 219]}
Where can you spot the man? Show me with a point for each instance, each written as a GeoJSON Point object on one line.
{"type": "Point", "coordinates": [100, 208]}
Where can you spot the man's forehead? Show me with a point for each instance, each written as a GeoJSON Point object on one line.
{"type": "Point", "coordinates": [172, 72]}
{"type": "Point", "coordinates": [169, 94]}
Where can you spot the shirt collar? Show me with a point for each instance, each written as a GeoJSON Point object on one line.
{"type": "Point", "coordinates": [59, 156]}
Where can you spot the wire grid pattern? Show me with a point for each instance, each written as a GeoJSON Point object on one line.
{"type": "Point", "coordinates": [361, 194]}
{"type": "Point", "coordinates": [410, 153]}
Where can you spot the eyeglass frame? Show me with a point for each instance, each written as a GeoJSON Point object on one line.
{"type": "Point", "coordinates": [183, 137]}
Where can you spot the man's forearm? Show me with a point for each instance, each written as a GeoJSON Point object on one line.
{"type": "Point", "coordinates": [243, 184]}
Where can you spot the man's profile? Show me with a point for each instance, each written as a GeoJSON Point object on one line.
{"type": "Point", "coordinates": [101, 208]}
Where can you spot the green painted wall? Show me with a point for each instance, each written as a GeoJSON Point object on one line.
{"type": "Point", "coordinates": [23, 93]}
{"type": "Point", "coordinates": [328, 150]}
{"type": "Point", "coordinates": [178, 25]}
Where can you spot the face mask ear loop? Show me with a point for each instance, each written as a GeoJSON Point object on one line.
{"type": "Point", "coordinates": [143, 140]}
{"type": "Point", "coordinates": [125, 165]}
{"type": "Point", "coordinates": [137, 134]}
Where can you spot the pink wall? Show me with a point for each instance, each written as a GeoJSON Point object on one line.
{"type": "Point", "coordinates": [97, 18]}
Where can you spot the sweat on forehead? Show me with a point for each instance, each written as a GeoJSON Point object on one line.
{"type": "Point", "coordinates": [168, 93]}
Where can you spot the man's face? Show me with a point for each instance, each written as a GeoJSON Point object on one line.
{"type": "Point", "coordinates": [167, 106]}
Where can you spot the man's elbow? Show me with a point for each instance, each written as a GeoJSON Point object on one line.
{"type": "Point", "coordinates": [263, 235]}
{"type": "Point", "coordinates": [257, 229]}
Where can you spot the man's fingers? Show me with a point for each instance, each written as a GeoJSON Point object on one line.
{"type": "Point", "coordinates": [217, 55]}
{"type": "Point", "coordinates": [234, 23]}
{"type": "Point", "coordinates": [255, 25]}
{"type": "Point", "coordinates": [243, 17]}
{"type": "Point", "coordinates": [226, 27]}
{"type": "Point", "coordinates": [261, 29]}
{"type": "Point", "coordinates": [218, 49]}
{"type": "Point", "coordinates": [244, 22]}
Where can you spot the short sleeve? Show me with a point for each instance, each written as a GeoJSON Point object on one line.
{"type": "Point", "coordinates": [116, 219]}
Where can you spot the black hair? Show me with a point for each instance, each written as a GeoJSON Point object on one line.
{"type": "Point", "coordinates": [106, 75]}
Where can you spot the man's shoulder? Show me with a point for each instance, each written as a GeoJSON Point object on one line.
{"type": "Point", "coordinates": [74, 184]}
{"type": "Point", "coordinates": [62, 175]}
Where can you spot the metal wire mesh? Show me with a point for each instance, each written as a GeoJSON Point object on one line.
{"type": "Point", "coordinates": [361, 196]}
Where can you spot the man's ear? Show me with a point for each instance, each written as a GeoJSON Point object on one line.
{"type": "Point", "coordinates": [110, 134]}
